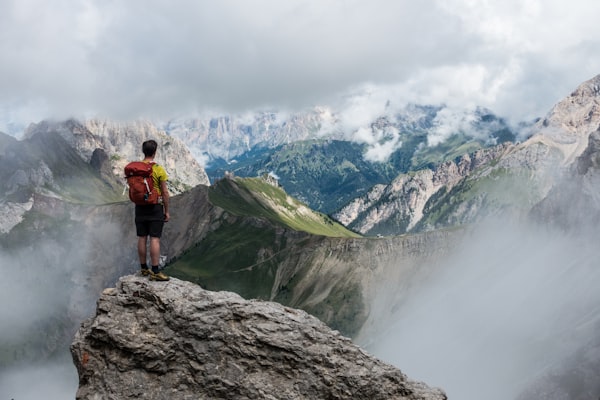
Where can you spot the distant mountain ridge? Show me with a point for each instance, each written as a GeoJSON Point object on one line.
{"type": "Point", "coordinates": [325, 174]}
{"type": "Point", "coordinates": [329, 173]}
{"type": "Point", "coordinates": [229, 136]}
{"type": "Point", "coordinates": [422, 201]}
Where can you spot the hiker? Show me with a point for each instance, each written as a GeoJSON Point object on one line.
{"type": "Point", "coordinates": [150, 218]}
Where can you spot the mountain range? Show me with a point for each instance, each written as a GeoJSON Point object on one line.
{"type": "Point", "coordinates": [319, 163]}
{"type": "Point", "coordinates": [66, 217]}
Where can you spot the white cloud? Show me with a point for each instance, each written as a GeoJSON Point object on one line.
{"type": "Point", "coordinates": [56, 380]}
{"type": "Point", "coordinates": [449, 122]}
{"type": "Point", "coordinates": [145, 58]}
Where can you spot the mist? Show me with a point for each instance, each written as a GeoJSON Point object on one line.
{"type": "Point", "coordinates": [52, 277]}
{"type": "Point", "coordinates": [56, 380]}
{"type": "Point", "coordinates": [512, 303]}
{"type": "Point", "coordinates": [36, 295]}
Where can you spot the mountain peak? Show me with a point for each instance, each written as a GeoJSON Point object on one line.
{"type": "Point", "coordinates": [577, 114]}
{"type": "Point", "coordinates": [589, 88]}
{"type": "Point", "coordinates": [570, 122]}
{"type": "Point", "coordinates": [176, 340]}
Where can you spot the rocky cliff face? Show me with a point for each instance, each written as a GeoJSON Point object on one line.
{"type": "Point", "coordinates": [573, 206]}
{"type": "Point", "coordinates": [401, 205]}
{"type": "Point", "coordinates": [175, 340]}
{"type": "Point", "coordinates": [570, 122]}
{"type": "Point", "coordinates": [122, 142]}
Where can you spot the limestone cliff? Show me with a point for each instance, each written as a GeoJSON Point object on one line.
{"type": "Point", "coordinates": [174, 340]}
{"type": "Point", "coordinates": [122, 143]}
{"type": "Point", "coordinates": [401, 205]}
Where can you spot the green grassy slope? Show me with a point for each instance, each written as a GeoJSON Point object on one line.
{"type": "Point", "coordinates": [256, 198]}
{"type": "Point", "coordinates": [229, 259]}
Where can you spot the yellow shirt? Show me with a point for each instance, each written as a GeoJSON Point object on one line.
{"type": "Point", "coordinates": [158, 175]}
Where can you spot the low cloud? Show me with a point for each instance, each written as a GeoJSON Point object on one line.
{"type": "Point", "coordinates": [381, 143]}
{"type": "Point", "coordinates": [449, 122]}
{"type": "Point", "coordinates": [511, 302]}
{"type": "Point", "coordinates": [52, 381]}
{"type": "Point", "coordinates": [53, 282]}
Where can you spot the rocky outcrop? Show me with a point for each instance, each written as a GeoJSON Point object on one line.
{"type": "Point", "coordinates": [100, 162]}
{"type": "Point", "coordinates": [570, 122]}
{"type": "Point", "coordinates": [174, 340]}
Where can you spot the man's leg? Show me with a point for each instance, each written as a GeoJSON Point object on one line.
{"type": "Point", "coordinates": [142, 249]}
{"type": "Point", "coordinates": [154, 251]}
{"type": "Point", "coordinates": [155, 258]}
{"type": "Point", "coordinates": [142, 254]}
{"type": "Point", "coordinates": [155, 234]}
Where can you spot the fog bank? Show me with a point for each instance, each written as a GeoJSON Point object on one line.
{"type": "Point", "coordinates": [50, 381]}
{"type": "Point", "coordinates": [510, 304]}
{"type": "Point", "coordinates": [54, 274]}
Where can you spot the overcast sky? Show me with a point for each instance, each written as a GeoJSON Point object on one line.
{"type": "Point", "coordinates": [151, 58]}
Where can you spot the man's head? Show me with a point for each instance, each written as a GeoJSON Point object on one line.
{"type": "Point", "coordinates": [149, 148]}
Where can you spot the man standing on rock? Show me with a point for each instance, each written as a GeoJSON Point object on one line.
{"type": "Point", "coordinates": [150, 218]}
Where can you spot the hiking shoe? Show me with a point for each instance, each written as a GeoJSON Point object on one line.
{"type": "Point", "coordinates": [145, 271]}
{"type": "Point", "coordinates": [159, 276]}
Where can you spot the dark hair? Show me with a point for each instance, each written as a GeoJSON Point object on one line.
{"type": "Point", "coordinates": [149, 147]}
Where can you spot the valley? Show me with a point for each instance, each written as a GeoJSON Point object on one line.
{"type": "Point", "coordinates": [457, 255]}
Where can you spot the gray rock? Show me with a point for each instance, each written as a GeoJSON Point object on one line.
{"type": "Point", "coordinates": [122, 141]}
{"type": "Point", "coordinates": [174, 340]}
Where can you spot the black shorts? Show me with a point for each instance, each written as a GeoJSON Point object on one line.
{"type": "Point", "coordinates": [149, 220]}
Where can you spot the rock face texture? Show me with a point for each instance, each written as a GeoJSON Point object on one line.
{"type": "Point", "coordinates": [122, 143]}
{"type": "Point", "coordinates": [174, 340]}
{"type": "Point", "coordinates": [401, 205]}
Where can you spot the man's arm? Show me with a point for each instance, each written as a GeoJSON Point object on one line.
{"type": "Point", "coordinates": [165, 197]}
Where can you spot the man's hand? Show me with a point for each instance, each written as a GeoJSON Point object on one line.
{"type": "Point", "coordinates": [166, 198]}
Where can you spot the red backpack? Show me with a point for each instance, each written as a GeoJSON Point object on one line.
{"type": "Point", "coordinates": [141, 186]}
